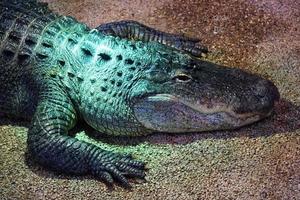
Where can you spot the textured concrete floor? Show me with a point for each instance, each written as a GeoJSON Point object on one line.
{"type": "Point", "coordinates": [260, 161]}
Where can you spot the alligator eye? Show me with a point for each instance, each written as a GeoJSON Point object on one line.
{"type": "Point", "coordinates": [182, 78]}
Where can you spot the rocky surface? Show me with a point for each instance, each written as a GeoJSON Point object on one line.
{"type": "Point", "coordinates": [260, 161]}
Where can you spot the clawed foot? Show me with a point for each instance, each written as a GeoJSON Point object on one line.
{"type": "Point", "coordinates": [192, 46]}
{"type": "Point", "coordinates": [111, 167]}
{"type": "Point", "coordinates": [137, 31]}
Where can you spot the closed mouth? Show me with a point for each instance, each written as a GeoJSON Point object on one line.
{"type": "Point", "coordinates": [232, 118]}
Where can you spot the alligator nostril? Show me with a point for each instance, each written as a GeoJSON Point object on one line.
{"type": "Point", "coordinates": [266, 89]}
{"type": "Point", "coordinates": [260, 89]}
{"type": "Point", "coordinates": [267, 93]}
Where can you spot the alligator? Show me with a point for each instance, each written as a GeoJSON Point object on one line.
{"type": "Point", "coordinates": [122, 79]}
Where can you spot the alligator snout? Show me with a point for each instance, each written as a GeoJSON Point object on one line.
{"type": "Point", "coordinates": [267, 93]}
{"type": "Point", "coordinates": [258, 96]}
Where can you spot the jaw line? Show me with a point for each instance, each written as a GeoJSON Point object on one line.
{"type": "Point", "coordinates": [236, 119]}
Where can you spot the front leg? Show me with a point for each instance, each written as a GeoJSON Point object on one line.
{"type": "Point", "coordinates": [137, 31]}
{"type": "Point", "coordinates": [50, 144]}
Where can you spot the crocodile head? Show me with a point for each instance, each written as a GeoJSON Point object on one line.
{"type": "Point", "coordinates": [190, 95]}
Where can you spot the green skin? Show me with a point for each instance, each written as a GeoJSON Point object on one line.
{"type": "Point", "coordinates": [58, 71]}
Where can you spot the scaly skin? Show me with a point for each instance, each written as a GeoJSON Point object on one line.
{"type": "Point", "coordinates": [137, 31]}
{"type": "Point", "coordinates": [56, 71]}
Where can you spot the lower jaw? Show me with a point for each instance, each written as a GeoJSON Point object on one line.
{"type": "Point", "coordinates": [244, 120]}
{"type": "Point", "coordinates": [154, 114]}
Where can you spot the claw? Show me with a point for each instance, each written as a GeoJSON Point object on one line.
{"type": "Point", "coordinates": [121, 179]}
{"type": "Point", "coordinates": [137, 164]}
{"type": "Point", "coordinates": [132, 172]}
{"type": "Point", "coordinates": [128, 160]}
{"type": "Point", "coordinates": [139, 175]}
{"type": "Point", "coordinates": [107, 178]}
{"type": "Point", "coordinates": [111, 167]}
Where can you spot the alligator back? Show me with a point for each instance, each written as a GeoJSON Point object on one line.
{"type": "Point", "coordinates": [21, 26]}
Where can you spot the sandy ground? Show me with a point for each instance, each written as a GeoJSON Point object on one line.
{"type": "Point", "coordinates": [260, 161]}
